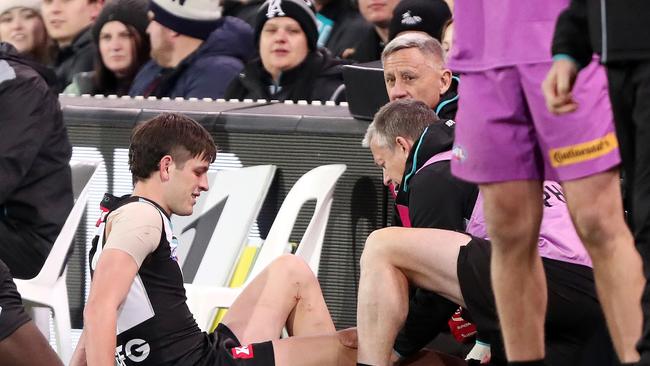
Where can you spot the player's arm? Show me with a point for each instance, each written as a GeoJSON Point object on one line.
{"type": "Point", "coordinates": [135, 233]}
{"type": "Point", "coordinates": [571, 36]}
{"type": "Point", "coordinates": [111, 283]}
{"type": "Point", "coordinates": [571, 51]}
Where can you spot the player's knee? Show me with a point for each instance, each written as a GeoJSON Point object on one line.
{"type": "Point", "coordinates": [514, 233]}
{"type": "Point", "coordinates": [348, 337]}
{"type": "Point", "coordinates": [378, 247]}
{"type": "Point", "coordinates": [596, 228]}
{"type": "Point", "coordinates": [292, 267]}
{"type": "Point", "coordinates": [516, 239]}
{"type": "Point", "coordinates": [508, 223]}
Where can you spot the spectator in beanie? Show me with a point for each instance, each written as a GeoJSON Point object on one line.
{"type": "Point", "coordinates": [290, 66]}
{"type": "Point", "coordinates": [339, 22]}
{"type": "Point", "coordinates": [195, 51]}
{"type": "Point", "coordinates": [68, 23]}
{"type": "Point", "coordinates": [426, 16]}
{"type": "Point", "coordinates": [122, 46]}
{"type": "Point", "coordinates": [21, 25]}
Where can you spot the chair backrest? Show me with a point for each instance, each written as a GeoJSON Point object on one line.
{"type": "Point", "coordinates": [213, 236]}
{"type": "Point", "coordinates": [318, 184]}
{"type": "Point", "coordinates": [82, 174]}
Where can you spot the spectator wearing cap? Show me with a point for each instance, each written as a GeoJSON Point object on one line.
{"type": "Point", "coordinates": [291, 66]}
{"type": "Point", "coordinates": [22, 26]}
{"type": "Point", "coordinates": [195, 51]}
{"type": "Point", "coordinates": [122, 44]}
{"type": "Point", "coordinates": [68, 23]}
{"type": "Point", "coordinates": [339, 25]}
{"type": "Point", "coordinates": [378, 13]}
{"type": "Point", "coordinates": [426, 16]}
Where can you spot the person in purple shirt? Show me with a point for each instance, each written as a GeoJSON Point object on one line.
{"type": "Point", "coordinates": [508, 143]}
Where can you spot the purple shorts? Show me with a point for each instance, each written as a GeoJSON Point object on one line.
{"type": "Point", "coordinates": [504, 131]}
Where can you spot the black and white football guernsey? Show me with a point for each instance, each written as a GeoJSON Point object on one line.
{"type": "Point", "coordinates": [154, 325]}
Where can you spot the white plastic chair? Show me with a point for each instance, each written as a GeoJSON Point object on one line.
{"type": "Point", "coordinates": [48, 288]}
{"type": "Point", "coordinates": [318, 184]}
{"type": "Point", "coordinates": [240, 193]}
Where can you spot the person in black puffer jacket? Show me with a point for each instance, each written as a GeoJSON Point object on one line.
{"type": "Point", "coordinates": [35, 178]}
{"type": "Point", "coordinates": [290, 66]}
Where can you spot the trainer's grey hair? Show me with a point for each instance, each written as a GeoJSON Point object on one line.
{"type": "Point", "coordinates": [425, 43]}
{"type": "Point", "coordinates": [403, 117]}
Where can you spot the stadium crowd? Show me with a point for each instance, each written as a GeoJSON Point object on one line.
{"type": "Point", "coordinates": [503, 144]}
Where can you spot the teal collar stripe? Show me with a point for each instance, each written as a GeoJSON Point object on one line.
{"type": "Point", "coordinates": [444, 103]}
{"type": "Point", "coordinates": [415, 161]}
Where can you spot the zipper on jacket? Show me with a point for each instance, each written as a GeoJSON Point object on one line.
{"type": "Point", "coordinates": [603, 30]}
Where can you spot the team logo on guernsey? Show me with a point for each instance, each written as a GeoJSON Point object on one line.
{"type": "Point", "coordinates": [275, 10]}
{"type": "Point", "coordinates": [408, 19]}
{"type": "Point", "coordinates": [243, 352]}
{"type": "Point", "coordinates": [136, 350]}
{"type": "Point", "coordinates": [584, 151]}
{"type": "Point", "coordinates": [458, 153]}
{"type": "Point", "coordinates": [173, 245]}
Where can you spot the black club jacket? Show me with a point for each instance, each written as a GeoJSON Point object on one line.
{"type": "Point", "coordinates": [35, 179]}
{"type": "Point", "coordinates": [617, 30]}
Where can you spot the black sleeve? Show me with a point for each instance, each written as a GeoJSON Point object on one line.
{"type": "Point", "coordinates": [572, 33]}
{"type": "Point", "coordinates": [427, 317]}
{"type": "Point", "coordinates": [24, 109]}
{"type": "Point", "coordinates": [439, 200]}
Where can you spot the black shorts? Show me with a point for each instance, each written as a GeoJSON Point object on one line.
{"type": "Point", "coordinates": [229, 352]}
{"type": "Point", "coordinates": [573, 318]}
{"type": "Point", "coordinates": [12, 312]}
